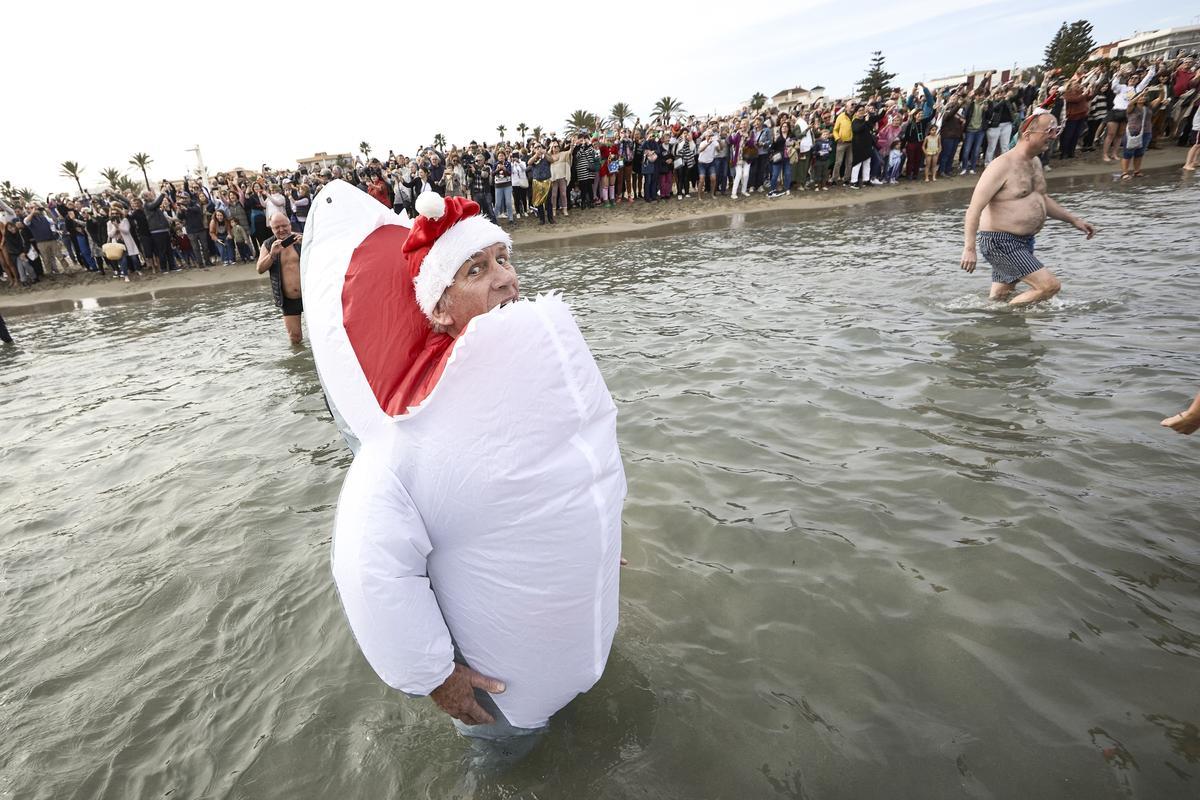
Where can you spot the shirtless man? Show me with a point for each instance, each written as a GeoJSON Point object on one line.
{"type": "Point", "coordinates": [284, 265]}
{"type": "Point", "coordinates": [1008, 208]}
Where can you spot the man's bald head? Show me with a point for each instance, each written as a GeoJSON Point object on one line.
{"type": "Point", "coordinates": [280, 225]}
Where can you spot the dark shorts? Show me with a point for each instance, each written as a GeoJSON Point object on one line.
{"type": "Point", "coordinates": [1115, 116]}
{"type": "Point", "coordinates": [1136, 152]}
{"type": "Point", "coordinates": [1194, 138]}
{"type": "Point", "coordinates": [292, 307]}
{"type": "Point", "coordinates": [1011, 256]}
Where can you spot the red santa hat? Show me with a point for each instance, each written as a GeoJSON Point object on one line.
{"type": "Point", "coordinates": [445, 235]}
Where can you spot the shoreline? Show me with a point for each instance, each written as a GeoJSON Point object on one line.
{"type": "Point", "coordinates": [82, 290]}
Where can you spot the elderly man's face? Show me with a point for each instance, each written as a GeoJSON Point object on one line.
{"type": "Point", "coordinates": [486, 281]}
{"type": "Point", "coordinates": [280, 226]}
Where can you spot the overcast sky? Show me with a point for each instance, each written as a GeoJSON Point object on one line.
{"type": "Point", "coordinates": [270, 82]}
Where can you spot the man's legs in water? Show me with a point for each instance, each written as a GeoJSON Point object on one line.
{"type": "Point", "coordinates": [292, 323]}
{"type": "Point", "coordinates": [1044, 286]}
{"type": "Point", "coordinates": [1001, 291]}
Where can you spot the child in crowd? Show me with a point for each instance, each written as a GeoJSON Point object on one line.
{"type": "Point", "coordinates": [824, 151]}
{"type": "Point", "coordinates": [895, 160]}
{"type": "Point", "coordinates": [183, 246]}
{"type": "Point", "coordinates": [932, 147]}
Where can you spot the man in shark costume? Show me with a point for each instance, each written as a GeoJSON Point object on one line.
{"type": "Point", "coordinates": [477, 539]}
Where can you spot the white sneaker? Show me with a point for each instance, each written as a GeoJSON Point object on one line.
{"type": "Point", "coordinates": [972, 172]}
{"type": "Point", "coordinates": [876, 182]}
{"type": "Point", "coordinates": [962, 172]}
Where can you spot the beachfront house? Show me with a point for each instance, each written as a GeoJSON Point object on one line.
{"type": "Point", "coordinates": [973, 78]}
{"type": "Point", "coordinates": [319, 161]}
{"type": "Point", "coordinates": [790, 99]}
{"type": "Point", "coordinates": [1165, 42]}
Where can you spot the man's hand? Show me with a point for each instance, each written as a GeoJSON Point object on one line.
{"type": "Point", "coordinates": [1086, 227]}
{"type": "Point", "coordinates": [456, 695]}
{"type": "Point", "coordinates": [968, 259]}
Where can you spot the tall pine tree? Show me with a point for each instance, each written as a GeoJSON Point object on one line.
{"type": "Point", "coordinates": [1070, 46]}
{"type": "Point", "coordinates": [877, 80]}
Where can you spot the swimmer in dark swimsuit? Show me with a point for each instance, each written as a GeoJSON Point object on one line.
{"type": "Point", "coordinates": [284, 265]}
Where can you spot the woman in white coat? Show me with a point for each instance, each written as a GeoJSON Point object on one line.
{"type": "Point", "coordinates": [120, 231]}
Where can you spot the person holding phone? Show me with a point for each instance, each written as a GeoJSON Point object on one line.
{"type": "Point", "coordinates": [280, 255]}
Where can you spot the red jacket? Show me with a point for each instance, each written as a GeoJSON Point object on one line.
{"type": "Point", "coordinates": [378, 190]}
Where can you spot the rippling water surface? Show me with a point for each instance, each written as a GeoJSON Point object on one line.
{"type": "Point", "coordinates": [886, 539]}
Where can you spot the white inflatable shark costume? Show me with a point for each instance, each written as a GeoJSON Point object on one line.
{"type": "Point", "coordinates": [483, 507]}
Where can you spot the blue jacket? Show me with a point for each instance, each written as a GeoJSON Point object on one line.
{"type": "Point", "coordinates": [927, 106]}
{"type": "Point", "coordinates": [540, 170]}
{"type": "Point", "coordinates": [41, 228]}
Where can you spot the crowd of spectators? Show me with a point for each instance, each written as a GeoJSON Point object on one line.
{"type": "Point", "coordinates": [1113, 108]}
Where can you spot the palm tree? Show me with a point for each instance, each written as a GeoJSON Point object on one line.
{"type": "Point", "coordinates": [581, 121]}
{"type": "Point", "coordinates": [112, 175]}
{"type": "Point", "coordinates": [758, 101]}
{"type": "Point", "coordinates": [141, 161]}
{"type": "Point", "coordinates": [619, 113]}
{"type": "Point", "coordinates": [124, 184]}
{"type": "Point", "coordinates": [500, 129]}
{"type": "Point", "coordinates": [439, 141]}
{"type": "Point", "coordinates": [521, 128]}
{"type": "Point", "coordinates": [7, 191]}
{"type": "Point", "coordinates": [26, 194]}
{"type": "Point", "coordinates": [666, 108]}
{"type": "Point", "coordinates": [365, 149]}
{"type": "Point", "coordinates": [537, 133]}
{"type": "Point", "coordinates": [71, 169]}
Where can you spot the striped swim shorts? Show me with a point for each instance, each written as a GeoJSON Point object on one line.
{"type": "Point", "coordinates": [1011, 256]}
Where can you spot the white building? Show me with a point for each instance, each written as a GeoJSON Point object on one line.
{"type": "Point", "coordinates": [321, 160]}
{"type": "Point", "coordinates": [1163, 42]}
{"type": "Point", "coordinates": [788, 99]}
{"type": "Point", "coordinates": [973, 79]}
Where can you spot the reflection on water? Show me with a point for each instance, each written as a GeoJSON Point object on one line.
{"type": "Point", "coordinates": [995, 351]}
{"type": "Point", "coordinates": [887, 538]}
